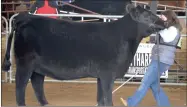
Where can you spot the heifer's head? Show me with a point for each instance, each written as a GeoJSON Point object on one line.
{"type": "Point", "coordinates": [147, 22]}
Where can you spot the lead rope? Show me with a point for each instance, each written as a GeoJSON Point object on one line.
{"type": "Point", "coordinates": [158, 57]}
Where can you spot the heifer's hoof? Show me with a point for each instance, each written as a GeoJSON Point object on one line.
{"type": "Point", "coordinates": [49, 105]}
{"type": "Point", "coordinates": [6, 65]}
{"type": "Point", "coordinates": [21, 105]}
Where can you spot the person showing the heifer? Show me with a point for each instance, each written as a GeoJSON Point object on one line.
{"type": "Point", "coordinates": [168, 39]}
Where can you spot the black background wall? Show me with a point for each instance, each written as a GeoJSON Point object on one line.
{"type": "Point", "coordinates": [105, 7]}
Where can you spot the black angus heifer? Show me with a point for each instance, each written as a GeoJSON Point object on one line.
{"type": "Point", "coordinates": [67, 50]}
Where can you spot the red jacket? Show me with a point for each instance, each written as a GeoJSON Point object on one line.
{"type": "Point", "coordinates": [47, 9]}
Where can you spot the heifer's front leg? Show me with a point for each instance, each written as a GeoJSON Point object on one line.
{"type": "Point", "coordinates": [100, 99]}
{"type": "Point", "coordinates": [107, 85]}
{"type": "Point", "coordinates": [37, 81]}
{"type": "Point", "coordinates": [22, 77]}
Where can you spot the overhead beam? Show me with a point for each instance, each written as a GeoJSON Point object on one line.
{"type": "Point", "coordinates": [153, 6]}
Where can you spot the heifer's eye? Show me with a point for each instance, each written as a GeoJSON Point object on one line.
{"type": "Point", "coordinates": [136, 12]}
{"type": "Point", "coordinates": [146, 15]}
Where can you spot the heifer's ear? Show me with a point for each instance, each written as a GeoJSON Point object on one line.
{"type": "Point", "coordinates": [140, 6]}
{"type": "Point", "coordinates": [129, 7]}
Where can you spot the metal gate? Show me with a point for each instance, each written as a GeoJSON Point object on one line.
{"type": "Point", "coordinates": [6, 33]}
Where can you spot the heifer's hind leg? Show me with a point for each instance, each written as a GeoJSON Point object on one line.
{"type": "Point", "coordinates": [22, 77]}
{"type": "Point", "coordinates": [37, 81]}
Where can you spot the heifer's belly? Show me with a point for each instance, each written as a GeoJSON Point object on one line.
{"type": "Point", "coordinates": [59, 71]}
{"type": "Point", "coordinates": [80, 67]}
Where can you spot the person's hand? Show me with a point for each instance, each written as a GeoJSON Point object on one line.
{"type": "Point", "coordinates": [164, 18]}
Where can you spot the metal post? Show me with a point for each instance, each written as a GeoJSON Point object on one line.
{"type": "Point", "coordinates": [6, 22]}
{"type": "Point", "coordinates": [11, 50]}
{"type": "Point", "coordinates": [186, 10]}
{"type": "Point", "coordinates": [82, 18]}
{"type": "Point", "coordinates": [104, 20]}
{"type": "Point", "coordinates": [153, 7]}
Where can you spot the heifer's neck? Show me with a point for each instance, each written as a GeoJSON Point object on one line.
{"type": "Point", "coordinates": [128, 27]}
{"type": "Point", "coordinates": [134, 28]}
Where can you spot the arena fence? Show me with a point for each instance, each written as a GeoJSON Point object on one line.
{"type": "Point", "coordinates": [5, 74]}
{"type": "Point", "coordinates": [175, 80]}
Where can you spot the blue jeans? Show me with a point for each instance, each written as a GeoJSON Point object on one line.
{"type": "Point", "coordinates": [150, 80]}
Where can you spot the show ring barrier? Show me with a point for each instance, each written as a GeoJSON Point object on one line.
{"type": "Point", "coordinates": [6, 34]}
{"type": "Point", "coordinates": [104, 17]}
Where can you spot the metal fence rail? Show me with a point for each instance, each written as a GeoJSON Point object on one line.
{"type": "Point", "coordinates": [175, 8]}
{"type": "Point", "coordinates": [104, 17]}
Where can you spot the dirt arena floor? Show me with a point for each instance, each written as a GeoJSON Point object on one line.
{"type": "Point", "coordinates": [74, 94]}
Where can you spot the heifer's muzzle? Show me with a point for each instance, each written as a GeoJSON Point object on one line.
{"type": "Point", "coordinates": [157, 26]}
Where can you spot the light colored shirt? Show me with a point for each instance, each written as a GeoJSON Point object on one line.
{"type": "Point", "coordinates": [169, 34]}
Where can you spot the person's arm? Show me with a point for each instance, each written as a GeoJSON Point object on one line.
{"type": "Point", "coordinates": [169, 34]}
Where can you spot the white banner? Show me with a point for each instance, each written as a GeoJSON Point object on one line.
{"type": "Point", "coordinates": [141, 60]}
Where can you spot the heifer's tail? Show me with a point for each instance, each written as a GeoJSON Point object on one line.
{"type": "Point", "coordinates": [6, 63]}
{"type": "Point", "coordinates": [21, 20]}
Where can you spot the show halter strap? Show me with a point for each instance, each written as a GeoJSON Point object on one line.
{"type": "Point", "coordinates": [153, 8]}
